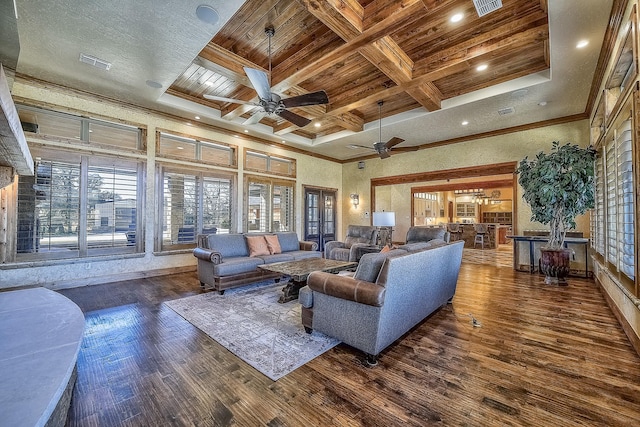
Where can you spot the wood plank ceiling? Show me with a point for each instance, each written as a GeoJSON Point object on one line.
{"type": "Point", "coordinates": [407, 53]}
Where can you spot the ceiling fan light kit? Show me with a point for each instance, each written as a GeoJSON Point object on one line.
{"type": "Point", "coordinates": [272, 103]}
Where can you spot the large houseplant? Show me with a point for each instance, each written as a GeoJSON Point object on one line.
{"type": "Point", "coordinates": [558, 186]}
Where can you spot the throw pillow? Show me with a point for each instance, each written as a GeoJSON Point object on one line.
{"type": "Point", "coordinates": [273, 244]}
{"type": "Point", "coordinates": [385, 249]}
{"type": "Point", "coordinates": [257, 246]}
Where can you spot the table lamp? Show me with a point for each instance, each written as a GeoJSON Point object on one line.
{"type": "Point", "coordinates": [384, 221]}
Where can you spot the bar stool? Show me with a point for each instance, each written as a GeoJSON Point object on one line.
{"type": "Point", "coordinates": [481, 232]}
{"type": "Point", "coordinates": [454, 231]}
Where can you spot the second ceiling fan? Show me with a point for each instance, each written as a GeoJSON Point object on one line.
{"type": "Point", "coordinates": [272, 103]}
{"type": "Point", "coordinates": [383, 148]}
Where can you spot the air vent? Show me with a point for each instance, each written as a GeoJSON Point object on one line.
{"type": "Point", "coordinates": [486, 6]}
{"type": "Point", "coordinates": [506, 110]}
{"type": "Point", "coordinates": [96, 62]}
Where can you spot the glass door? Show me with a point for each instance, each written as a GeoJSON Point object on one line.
{"type": "Point", "coordinates": [320, 216]}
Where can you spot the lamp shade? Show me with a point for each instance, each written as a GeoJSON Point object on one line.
{"type": "Point", "coordinates": [384, 219]}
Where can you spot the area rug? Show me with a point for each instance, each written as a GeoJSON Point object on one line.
{"type": "Point", "coordinates": [251, 324]}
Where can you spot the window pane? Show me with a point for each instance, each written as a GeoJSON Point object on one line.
{"type": "Point", "coordinates": [216, 154]}
{"type": "Point", "coordinates": [216, 209]}
{"type": "Point", "coordinates": [280, 166]}
{"type": "Point", "coordinates": [112, 135]}
{"type": "Point", "coordinates": [624, 166]}
{"type": "Point", "coordinates": [49, 123]}
{"type": "Point", "coordinates": [599, 205]}
{"type": "Point", "coordinates": [177, 147]}
{"type": "Point", "coordinates": [256, 162]}
{"type": "Point", "coordinates": [48, 209]}
{"type": "Point", "coordinates": [111, 207]}
{"type": "Point", "coordinates": [282, 208]}
{"type": "Point", "coordinates": [180, 209]}
{"type": "Point", "coordinates": [612, 213]}
{"type": "Point", "coordinates": [258, 206]}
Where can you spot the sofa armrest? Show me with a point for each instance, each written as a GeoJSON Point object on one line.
{"type": "Point", "coordinates": [345, 287]}
{"type": "Point", "coordinates": [331, 245]}
{"type": "Point", "coordinates": [208, 255]}
{"type": "Point", "coordinates": [308, 246]}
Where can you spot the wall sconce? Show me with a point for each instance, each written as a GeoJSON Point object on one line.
{"type": "Point", "coordinates": [355, 199]}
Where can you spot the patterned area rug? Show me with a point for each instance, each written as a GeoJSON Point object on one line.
{"type": "Point", "coordinates": [251, 324]}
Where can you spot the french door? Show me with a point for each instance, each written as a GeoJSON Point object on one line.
{"type": "Point", "coordinates": [320, 215]}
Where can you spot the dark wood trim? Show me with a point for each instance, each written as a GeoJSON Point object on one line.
{"type": "Point", "coordinates": [624, 323]}
{"type": "Point", "coordinates": [466, 172]}
{"type": "Point", "coordinates": [463, 186]}
{"type": "Point", "coordinates": [615, 22]}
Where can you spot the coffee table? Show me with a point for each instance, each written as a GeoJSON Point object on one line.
{"type": "Point", "coordinates": [299, 270]}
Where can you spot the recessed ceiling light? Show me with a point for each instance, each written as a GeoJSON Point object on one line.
{"type": "Point", "coordinates": [464, 123]}
{"type": "Point", "coordinates": [283, 141]}
{"type": "Point", "coordinates": [188, 123]}
{"type": "Point", "coordinates": [482, 67]}
{"type": "Point", "coordinates": [317, 125]}
{"type": "Point", "coordinates": [542, 103]}
{"type": "Point", "coordinates": [207, 14]}
{"type": "Point", "coordinates": [180, 148]}
{"type": "Point", "coordinates": [197, 117]}
{"type": "Point", "coordinates": [457, 17]}
{"type": "Point", "coordinates": [246, 131]}
{"type": "Point", "coordinates": [153, 84]}
{"type": "Point", "coordinates": [582, 43]}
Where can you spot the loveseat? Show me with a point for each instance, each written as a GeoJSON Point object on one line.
{"type": "Point", "coordinates": [357, 235]}
{"type": "Point", "coordinates": [230, 260]}
{"type": "Point", "coordinates": [388, 295]}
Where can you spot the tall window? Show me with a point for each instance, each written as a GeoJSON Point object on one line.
{"type": "Point", "coordinates": [194, 203]}
{"type": "Point", "coordinates": [76, 206]}
{"type": "Point", "coordinates": [270, 205]}
{"type": "Point", "coordinates": [615, 202]}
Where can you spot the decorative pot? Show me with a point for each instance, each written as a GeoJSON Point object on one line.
{"type": "Point", "coordinates": [554, 264]}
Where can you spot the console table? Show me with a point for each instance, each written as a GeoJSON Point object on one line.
{"type": "Point", "coordinates": [530, 241]}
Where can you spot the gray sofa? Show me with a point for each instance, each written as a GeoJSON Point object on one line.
{"type": "Point", "coordinates": [387, 296]}
{"type": "Point", "coordinates": [224, 261]}
{"type": "Point", "coordinates": [357, 235]}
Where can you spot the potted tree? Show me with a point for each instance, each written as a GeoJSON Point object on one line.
{"type": "Point", "coordinates": [558, 186]}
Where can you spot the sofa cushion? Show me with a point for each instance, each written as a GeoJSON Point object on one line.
{"type": "Point", "coordinates": [273, 243]}
{"type": "Point", "coordinates": [424, 234]}
{"type": "Point", "coordinates": [415, 246]}
{"type": "Point", "coordinates": [257, 246]}
{"type": "Point", "coordinates": [269, 259]}
{"type": "Point", "coordinates": [370, 264]}
{"type": "Point", "coordinates": [236, 265]}
{"type": "Point", "coordinates": [229, 245]}
{"type": "Point", "coordinates": [288, 241]}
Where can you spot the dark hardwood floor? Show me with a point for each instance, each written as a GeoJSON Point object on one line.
{"type": "Point", "coordinates": [540, 356]}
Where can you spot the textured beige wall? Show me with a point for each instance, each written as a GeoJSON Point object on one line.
{"type": "Point", "coordinates": [56, 274]}
{"type": "Point", "coordinates": [497, 149]}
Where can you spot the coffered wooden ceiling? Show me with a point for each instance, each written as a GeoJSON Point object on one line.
{"type": "Point", "coordinates": [407, 53]}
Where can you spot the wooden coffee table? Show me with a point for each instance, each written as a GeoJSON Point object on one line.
{"type": "Point", "coordinates": [299, 270]}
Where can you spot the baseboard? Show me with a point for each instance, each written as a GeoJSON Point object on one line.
{"type": "Point", "coordinates": [89, 281]}
{"type": "Point", "coordinates": [626, 327]}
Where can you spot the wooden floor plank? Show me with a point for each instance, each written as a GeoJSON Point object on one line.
{"type": "Point", "coordinates": [541, 355]}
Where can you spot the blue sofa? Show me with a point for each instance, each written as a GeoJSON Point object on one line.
{"type": "Point", "coordinates": [224, 261]}
{"type": "Point", "coordinates": [388, 295]}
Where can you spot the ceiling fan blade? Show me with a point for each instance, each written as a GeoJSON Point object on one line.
{"type": "Point", "coordinates": [383, 154]}
{"type": "Point", "coordinates": [260, 82]}
{"type": "Point", "coordinates": [255, 118]}
{"type": "Point", "coordinates": [405, 149]}
{"type": "Point", "coordinates": [393, 141]}
{"type": "Point", "coordinates": [231, 100]}
{"type": "Point", "coordinates": [294, 118]}
{"type": "Point", "coordinates": [314, 98]}
{"type": "Point", "coordinates": [356, 146]}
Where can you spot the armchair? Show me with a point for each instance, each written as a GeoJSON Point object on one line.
{"type": "Point", "coordinates": [357, 235]}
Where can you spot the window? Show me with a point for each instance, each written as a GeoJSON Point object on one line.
{"type": "Point", "coordinates": [270, 205]}
{"type": "Point", "coordinates": [77, 206]}
{"type": "Point", "coordinates": [183, 147]}
{"type": "Point", "coordinates": [615, 201]}
{"type": "Point", "coordinates": [92, 131]}
{"type": "Point", "coordinates": [194, 203]}
{"type": "Point", "coordinates": [258, 161]}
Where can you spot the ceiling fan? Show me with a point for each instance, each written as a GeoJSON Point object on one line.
{"type": "Point", "coordinates": [272, 103]}
{"type": "Point", "coordinates": [384, 148]}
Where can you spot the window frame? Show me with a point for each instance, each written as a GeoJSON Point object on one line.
{"type": "Point", "coordinates": [198, 143]}
{"type": "Point", "coordinates": [269, 157]}
{"type": "Point", "coordinates": [200, 174]}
